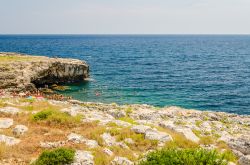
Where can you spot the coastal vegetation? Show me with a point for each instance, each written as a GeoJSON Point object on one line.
{"type": "Point", "coordinates": [56, 157]}
{"type": "Point", "coordinates": [55, 117]}
{"type": "Point", "coordinates": [185, 157]}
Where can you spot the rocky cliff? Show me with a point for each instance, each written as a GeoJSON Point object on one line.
{"type": "Point", "coordinates": [23, 72]}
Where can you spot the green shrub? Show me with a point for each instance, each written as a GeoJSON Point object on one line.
{"type": "Point", "coordinates": [129, 110]}
{"type": "Point", "coordinates": [184, 157]}
{"type": "Point", "coordinates": [55, 117]}
{"type": "Point", "coordinates": [42, 115]}
{"type": "Point", "coordinates": [59, 156]}
{"type": "Point", "coordinates": [60, 118]}
{"type": "Point", "coordinates": [128, 119]}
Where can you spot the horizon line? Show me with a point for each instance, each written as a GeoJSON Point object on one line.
{"type": "Point", "coordinates": [124, 34]}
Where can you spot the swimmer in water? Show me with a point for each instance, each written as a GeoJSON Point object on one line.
{"type": "Point", "coordinates": [97, 94]}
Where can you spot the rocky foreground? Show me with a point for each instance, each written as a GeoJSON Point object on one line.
{"type": "Point", "coordinates": [114, 134]}
{"type": "Point", "coordinates": [20, 72]}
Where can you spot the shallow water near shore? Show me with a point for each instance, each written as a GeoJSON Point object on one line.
{"type": "Point", "coordinates": [204, 72]}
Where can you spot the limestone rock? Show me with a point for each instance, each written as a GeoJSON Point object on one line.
{"type": "Point", "coordinates": [108, 139]}
{"type": "Point", "coordinates": [129, 141]}
{"type": "Point", "coordinates": [52, 144]}
{"type": "Point", "coordinates": [122, 145]}
{"type": "Point", "coordinates": [140, 129]}
{"type": "Point", "coordinates": [19, 130]}
{"type": "Point", "coordinates": [240, 144]}
{"type": "Point", "coordinates": [6, 122]}
{"type": "Point", "coordinates": [117, 113]}
{"type": "Point", "coordinates": [156, 135]}
{"type": "Point", "coordinates": [83, 158]}
{"type": "Point", "coordinates": [244, 160]}
{"type": "Point", "coordinates": [121, 161]}
{"type": "Point", "coordinates": [237, 153]}
{"type": "Point", "coordinates": [9, 140]}
{"type": "Point", "coordinates": [122, 123]}
{"type": "Point", "coordinates": [10, 110]}
{"type": "Point", "coordinates": [108, 152]}
{"type": "Point", "coordinates": [73, 110]}
{"type": "Point", "coordinates": [75, 138]}
{"type": "Point", "coordinates": [186, 132]}
{"type": "Point", "coordinates": [91, 143]}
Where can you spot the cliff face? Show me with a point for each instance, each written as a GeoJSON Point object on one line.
{"type": "Point", "coordinates": [22, 72]}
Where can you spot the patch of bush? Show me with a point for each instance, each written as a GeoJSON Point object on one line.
{"type": "Point", "coordinates": [128, 119]}
{"type": "Point", "coordinates": [174, 156]}
{"type": "Point", "coordinates": [56, 157]}
{"type": "Point", "coordinates": [55, 117]}
{"type": "Point", "coordinates": [43, 115]}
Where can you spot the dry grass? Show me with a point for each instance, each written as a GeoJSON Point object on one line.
{"type": "Point", "coordinates": [206, 140]}
{"type": "Point", "coordinates": [3, 151]}
{"type": "Point", "coordinates": [4, 59]}
{"type": "Point", "coordinates": [54, 130]}
{"type": "Point", "coordinates": [100, 158]}
{"type": "Point", "coordinates": [128, 120]}
{"type": "Point", "coordinates": [37, 105]}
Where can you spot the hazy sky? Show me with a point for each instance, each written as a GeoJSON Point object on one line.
{"type": "Point", "coordinates": [125, 16]}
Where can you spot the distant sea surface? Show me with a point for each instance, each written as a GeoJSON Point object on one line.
{"type": "Point", "coordinates": [204, 72]}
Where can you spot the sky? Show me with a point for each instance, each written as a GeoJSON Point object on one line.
{"type": "Point", "coordinates": [124, 16]}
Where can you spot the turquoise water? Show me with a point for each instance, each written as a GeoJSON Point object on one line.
{"type": "Point", "coordinates": [192, 71]}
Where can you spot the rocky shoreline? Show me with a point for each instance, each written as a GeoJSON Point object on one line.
{"type": "Point", "coordinates": [102, 133]}
{"type": "Point", "coordinates": [112, 130]}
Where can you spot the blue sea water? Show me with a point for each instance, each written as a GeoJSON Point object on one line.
{"type": "Point", "coordinates": [205, 72]}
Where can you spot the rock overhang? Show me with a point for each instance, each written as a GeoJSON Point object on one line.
{"type": "Point", "coordinates": [24, 72]}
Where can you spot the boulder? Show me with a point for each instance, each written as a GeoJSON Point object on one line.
{"type": "Point", "coordinates": [91, 143]}
{"type": "Point", "coordinates": [52, 144]}
{"type": "Point", "coordinates": [156, 135]}
{"type": "Point", "coordinates": [10, 110]}
{"type": "Point", "coordinates": [121, 161]}
{"type": "Point", "coordinates": [10, 141]}
{"type": "Point", "coordinates": [117, 113]}
{"type": "Point", "coordinates": [83, 158]}
{"type": "Point", "coordinates": [129, 141]}
{"type": "Point", "coordinates": [108, 139]}
{"type": "Point", "coordinates": [19, 130]}
{"type": "Point", "coordinates": [186, 132]}
{"type": "Point", "coordinates": [108, 152]}
{"type": "Point", "coordinates": [6, 122]}
{"type": "Point", "coordinates": [75, 138]}
{"type": "Point", "coordinates": [244, 160]}
{"type": "Point", "coordinates": [240, 144]}
{"type": "Point", "coordinates": [140, 129]}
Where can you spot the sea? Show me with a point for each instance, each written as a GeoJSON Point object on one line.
{"type": "Point", "coordinates": [203, 72]}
